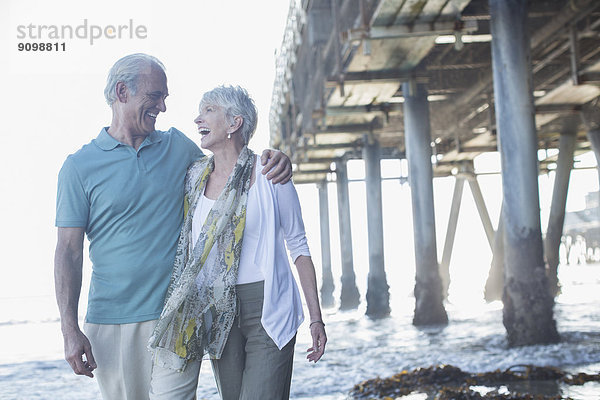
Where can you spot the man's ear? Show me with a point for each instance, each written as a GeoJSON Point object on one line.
{"type": "Point", "coordinates": [122, 92]}
{"type": "Point", "coordinates": [238, 120]}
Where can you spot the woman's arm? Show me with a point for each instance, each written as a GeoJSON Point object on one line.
{"type": "Point", "coordinates": [308, 281]}
{"type": "Point", "coordinates": [290, 217]}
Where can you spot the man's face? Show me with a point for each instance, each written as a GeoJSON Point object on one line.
{"type": "Point", "coordinates": [141, 109]}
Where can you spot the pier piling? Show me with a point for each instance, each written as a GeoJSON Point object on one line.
{"type": "Point", "coordinates": [327, 285]}
{"type": "Point", "coordinates": [378, 296]}
{"type": "Point", "coordinates": [527, 313]}
{"type": "Point", "coordinates": [349, 298]}
{"type": "Point", "coordinates": [429, 308]}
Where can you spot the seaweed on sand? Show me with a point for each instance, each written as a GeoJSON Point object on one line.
{"type": "Point", "coordinates": [447, 382]}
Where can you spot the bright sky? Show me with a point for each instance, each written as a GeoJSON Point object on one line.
{"type": "Point", "coordinates": [53, 102]}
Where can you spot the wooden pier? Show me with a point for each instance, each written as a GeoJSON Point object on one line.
{"type": "Point", "coordinates": [439, 82]}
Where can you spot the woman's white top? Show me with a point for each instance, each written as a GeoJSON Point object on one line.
{"type": "Point", "coordinates": [273, 215]}
{"type": "Point", "coordinates": [248, 271]}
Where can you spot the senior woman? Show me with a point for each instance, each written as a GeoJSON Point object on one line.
{"type": "Point", "coordinates": [232, 294]}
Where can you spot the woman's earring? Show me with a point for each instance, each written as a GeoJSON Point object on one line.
{"type": "Point", "coordinates": [229, 135]}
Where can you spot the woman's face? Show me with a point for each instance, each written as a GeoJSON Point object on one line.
{"type": "Point", "coordinates": [212, 126]}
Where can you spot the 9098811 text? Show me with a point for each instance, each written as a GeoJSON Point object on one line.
{"type": "Point", "coordinates": [49, 46]}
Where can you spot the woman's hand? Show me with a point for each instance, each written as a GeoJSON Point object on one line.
{"type": "Point", "coordinates": [277, 165]}
{"type": "Point", "coordinates": [319, 339]}
{"type": "Point", "coordinates": [308, 281]}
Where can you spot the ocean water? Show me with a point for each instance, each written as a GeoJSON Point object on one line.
{"type": "Point", "coordinates": [359, 348]}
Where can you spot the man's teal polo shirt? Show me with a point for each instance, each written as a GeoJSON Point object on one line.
{"type": "Point", "coordinates": [131, 205]}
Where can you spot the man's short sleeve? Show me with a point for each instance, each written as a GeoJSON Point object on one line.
{"type": "Point", "coordinates": [72, 205]}
{"type": "Point", "coordinates": [191, 147]}
{"type": "Point", "coordinates": [196, 152]}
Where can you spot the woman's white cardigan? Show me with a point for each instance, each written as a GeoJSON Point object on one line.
{"type": "Point", "coordinates": [280, 219]}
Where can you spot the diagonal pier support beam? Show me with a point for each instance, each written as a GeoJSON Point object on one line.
{"type": "Point", "coordinates": [593, 135]}
{"type": "Point", "coordinates": [327, 285]}
{"type": "Point", "coordinates": [378, 295]}
{"type": "Point", "coordinates": [349, 298]}
{"type": "Point", "coordinates": [481, 208]}
{"type": "Point", "coordinates": [459, 184]}
{"type": "Point", "coordinates": [557, 208]}
{"type": "Point", "coordinates": [495, 282]}
{"type": "Point", "coordinates": [591, 118]}
{"type": "Point", "coordinates": [527, 314]}
{"type": "Point", "coordinates": [429, 307]}
{"type": "Point", "coordinates": [467, 172]}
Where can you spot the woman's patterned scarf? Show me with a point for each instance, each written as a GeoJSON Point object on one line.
{"type": "Point", "coordinates": [196, 317]}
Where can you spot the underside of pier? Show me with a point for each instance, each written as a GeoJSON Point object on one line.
{"type": "Point", "coordinates": [439, 82]}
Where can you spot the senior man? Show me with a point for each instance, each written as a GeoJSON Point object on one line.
{"type": "Point", "coordinates": [124, 190]}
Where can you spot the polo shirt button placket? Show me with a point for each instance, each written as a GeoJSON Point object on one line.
{"type": "Point", "coordinates": [140, 162]}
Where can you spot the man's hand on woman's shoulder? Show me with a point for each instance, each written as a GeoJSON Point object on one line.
{"type": "Point", "coordinates": [277, 166]}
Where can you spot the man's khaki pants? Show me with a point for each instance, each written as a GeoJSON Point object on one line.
{"type": "Point", "coordinates": [124, 363]}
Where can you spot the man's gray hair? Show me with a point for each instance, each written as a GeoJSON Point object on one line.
{"type": "Point", "coordinates": [128, 70]}
{"type": "Point", "coordinates": [235, 101]}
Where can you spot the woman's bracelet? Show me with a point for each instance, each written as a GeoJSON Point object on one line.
{"type": "Point", "coordinates": [317, 321]}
